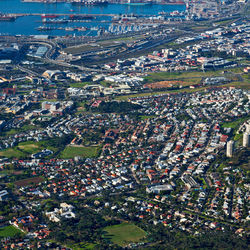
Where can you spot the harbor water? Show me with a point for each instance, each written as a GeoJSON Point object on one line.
{"type": "Point", "coordinates": [28, 25]}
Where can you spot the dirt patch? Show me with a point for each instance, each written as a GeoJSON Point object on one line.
{"type": "Point", "coordinates": [17, 172]}
{"type": "Point", "coordinates": [26, 182]}
{"type": "Point", "coordinates": [163, 84]}
{"type": "Point", "coordinates": [28, 146]}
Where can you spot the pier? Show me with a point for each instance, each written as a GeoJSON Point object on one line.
{"type": "Point", "coordinates": [60, 14]}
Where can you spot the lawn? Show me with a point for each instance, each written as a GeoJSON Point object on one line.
{"type": "Point", "coordinates": [124, 233]}
{"type": "Point", "coordinates": [236, 123]}
{"type": "Point", "coordinates": [80, 246]}
{"type": "Point", "coordinates": [145, 117]}
{"type": "Point", "coordinates": [25, 149]}
{"type": "Point", "coordinates": [85, 152]}
{"type": "Point", "coordinates": [19, 130]}
{"type": "Point", "coordinates": [9, 231]}
{"type": "Point", "coordinates": [12, 153]}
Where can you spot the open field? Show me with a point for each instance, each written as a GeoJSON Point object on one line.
{"type": "Point", "coordinates": [163, 76]}
{"type": "Point", "coordinates": [124, 234]}
{"type": "Point", "coordinates": [26, 182]}
{"type": "Point", "coordinates": [187, 90]}
{"type": "Point", "coordinates": [9, 231]}
{"type": "Point", "coordinates": [85, 152]}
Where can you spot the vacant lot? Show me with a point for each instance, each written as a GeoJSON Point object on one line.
{"type": "Point", "coordinates": [85, 152]}
{"type": "Point", "coordinates": [124, 234]}
{"type": "Point", "coordinates": [163, 84]}
{"type": "Point", "coordinates": [26, 182]}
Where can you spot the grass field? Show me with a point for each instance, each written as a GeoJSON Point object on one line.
{"type": "Point", "coordinates": [80, 84]}
{"type": "Point", "coordinates": [25, 149]}
{"type": "Point", "coordinates": [9, 231]}
{"type": "Point", "coordinates": [85, 152]}
{"type": "Point", "coordinates": [12, 153]}
{"type": "Point", "coordinates": [124, 234]}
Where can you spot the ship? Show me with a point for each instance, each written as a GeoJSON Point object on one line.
{"type": "Point", "coordinates": [55, 21]}
{"type": "Point", "coordinates": [137, 2]}
{"type": "Point", "coordinates": [174, 2]}
{"type": "Point", "coordinates": [80, 17]}
{"type": "Point", "coordinates": [89, 2]}
{"type": "Point", "coordinates": [44, 28]}
{"type": "Point", "coordinates": [48, 16]}
{"type": "Point", "coordinates": [7, 18]}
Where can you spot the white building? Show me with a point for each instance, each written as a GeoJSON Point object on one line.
{"type": "Point", "coordinates": [246, 139]}
{"type": "Point", "coordinates": [230, 148]}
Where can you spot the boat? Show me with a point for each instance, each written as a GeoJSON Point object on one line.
{"type": "Point", "coordinates": [69, 29]}
{"type": "Point", "coordinates": [81, 28]}
{"type": "Point", "coordinates": [177, 13]}
{"type": "Point", "coordinates": [94, 28]}
{"type": "Point", "coordinates": [7, 18]}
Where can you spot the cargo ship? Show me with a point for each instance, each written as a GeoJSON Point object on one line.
{"type": "Point", "coordinates": [7, 18]}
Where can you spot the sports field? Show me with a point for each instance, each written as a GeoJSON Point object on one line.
{"type": "Point", "coordinates": [85, 152]}
{"type": "Point", "coordinates": [124, 233]}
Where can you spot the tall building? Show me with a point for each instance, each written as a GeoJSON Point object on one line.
{"type": "Point", "coordinates": [230, 148]}
{"type": "Point", "coordinates": [246, 139]}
